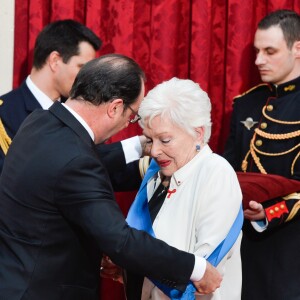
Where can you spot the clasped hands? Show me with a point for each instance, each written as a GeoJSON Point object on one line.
{"type": "Point", "coordinates": [210, 281]}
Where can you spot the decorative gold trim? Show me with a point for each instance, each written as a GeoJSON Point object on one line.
{"type": "Point", "coordinates": [143, 165]}
{"type": "Point", "coordinates": [271, 136]}
{"type": "Point", "coordinates": [253, 149]}
{"type": "Point", "coordinates": [293, 163]}
{"type": "Point", "coordinates": [289, 88]}
{"type": "Point", "coordinates": [278, 136]}
{"type": "Point", "coordinates": [5, 140]}
{"type": "Point", "coordinates": [293, 211]}
{"type": "Point", "coordinates": [245, 162]}
{"type": "Point", "coordinates": [278, 121]}
{"type": "Point", "coordinates": [250, 90]}
{"type": "Point", "coordinates": [292, 196]}
{"type": "Point", "coordinates": [255, 157]}
{"type": "Point", "coordinates": [273, 154]}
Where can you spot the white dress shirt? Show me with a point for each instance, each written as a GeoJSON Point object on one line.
{"type": "Point", "coordinates": [40, 96]}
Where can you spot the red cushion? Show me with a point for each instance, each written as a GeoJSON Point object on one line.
{"type": "Point", "coordinates": [261, 187]}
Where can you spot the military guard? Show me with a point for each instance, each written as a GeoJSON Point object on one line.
{"type": "Point", "coordinates": [265, 138]}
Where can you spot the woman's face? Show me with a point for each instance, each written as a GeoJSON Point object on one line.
{"type": "Point", "coordinates": [171, 146]}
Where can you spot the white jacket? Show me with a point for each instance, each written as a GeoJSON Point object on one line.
{"type": "Point", "coordinates": [198, 216]}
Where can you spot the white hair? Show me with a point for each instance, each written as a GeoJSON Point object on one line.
{"type": "Point", "coordinates": [180, 100]}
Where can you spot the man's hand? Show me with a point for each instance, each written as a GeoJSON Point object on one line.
{"type": "Point", "coordinates": [145, 146]}
{"type": "Point", "coordinates": [210, 281]}
{"type": "Point", "coordinates": [255, 211]}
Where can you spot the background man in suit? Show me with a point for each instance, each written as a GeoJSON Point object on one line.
{"type": "Point", "coordinates": [61, 49]}
{"type": "Point", "coordinates": [265, 138]}
{"type": "Point", "coordinates": [58, 214]}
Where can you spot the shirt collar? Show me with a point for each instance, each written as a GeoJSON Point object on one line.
{"type": "Point", "coordinates": [81, 120]}
{"type": "Point", "coordinates": [41, 97]}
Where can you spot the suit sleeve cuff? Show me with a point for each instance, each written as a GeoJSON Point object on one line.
{"type": "Point", "coordinates": [199, 268]}
{"type": "Point", "coordinates": [132, 149]}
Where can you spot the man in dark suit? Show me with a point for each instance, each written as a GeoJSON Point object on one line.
{"type": "Point", "coordinates": [58, 213]}
{"type": "Point", "coordinates": [61, 49]}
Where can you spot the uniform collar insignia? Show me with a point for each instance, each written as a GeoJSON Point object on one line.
{"type": "Point", "coordinates": [286, 88]}
{"type": "Point", "coordinates": [289, 88]}
{"type": "Point", "coordinates": [249, 123]}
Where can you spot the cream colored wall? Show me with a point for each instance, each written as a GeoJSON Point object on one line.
{"type": "Point", "coordinates": [7, 8]}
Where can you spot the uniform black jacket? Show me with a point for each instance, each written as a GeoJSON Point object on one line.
{"type": "Point", "coordinates": [270, 259]}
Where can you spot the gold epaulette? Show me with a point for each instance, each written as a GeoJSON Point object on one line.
{"type": "Point", "coordinates": [5, 140]}
{"type": "Point", "coordinates": [143, 165]}
{"type": "Point", "coordinates": [296, 207]}
{"type": "Point", "coordinates": [251, 90]}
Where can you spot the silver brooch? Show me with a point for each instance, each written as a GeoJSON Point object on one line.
{"type": "Point", "coordinates": [249, 123]}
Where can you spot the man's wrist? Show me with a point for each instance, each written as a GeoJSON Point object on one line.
{"type": "Point", "coordinates": [199, 268]}
{"type": "Point", "coordinates": [132, 149]}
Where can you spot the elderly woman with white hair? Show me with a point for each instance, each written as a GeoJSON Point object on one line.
{"type": "Point", "coordinates": [194, 196]}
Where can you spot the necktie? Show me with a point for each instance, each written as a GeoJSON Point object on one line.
{"type": "Point", "coordinates": [157, 201]}
{"type": "Point", "coordinates": [139, 218]}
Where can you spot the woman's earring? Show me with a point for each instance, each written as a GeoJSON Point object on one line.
{"type": "Point", "coordinates": [198, 148]}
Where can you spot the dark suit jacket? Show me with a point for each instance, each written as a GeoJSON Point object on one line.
{"type": "Point", "coordinates": [20, 102]}
{"type": "Point", "coordinates": [58, 215]}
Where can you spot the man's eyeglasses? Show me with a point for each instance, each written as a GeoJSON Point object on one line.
{"type": "Point", "coordinates": [134, 117]}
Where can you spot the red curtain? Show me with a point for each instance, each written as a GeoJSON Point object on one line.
{"type": "Point", "coordinates": [208, 41]}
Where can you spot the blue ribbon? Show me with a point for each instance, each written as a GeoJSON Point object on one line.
{"type": "Point", "coordinates": [139, 218]}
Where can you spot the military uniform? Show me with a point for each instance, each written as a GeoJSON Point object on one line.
{"type": "Point", "coordinates": [265, 137]}
{"type": "Point", "coordinates": [15, 106]}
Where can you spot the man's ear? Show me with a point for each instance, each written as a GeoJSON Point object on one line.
{"type": "Point", "coordinates": [115, 108]}
{"type": "Point", "coordinates": [53, 60]}
{"type": "Point", "coordinates": [297, 49]}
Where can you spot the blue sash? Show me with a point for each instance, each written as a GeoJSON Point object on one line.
{"type": "Point", "coordinates": [139, 218]}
